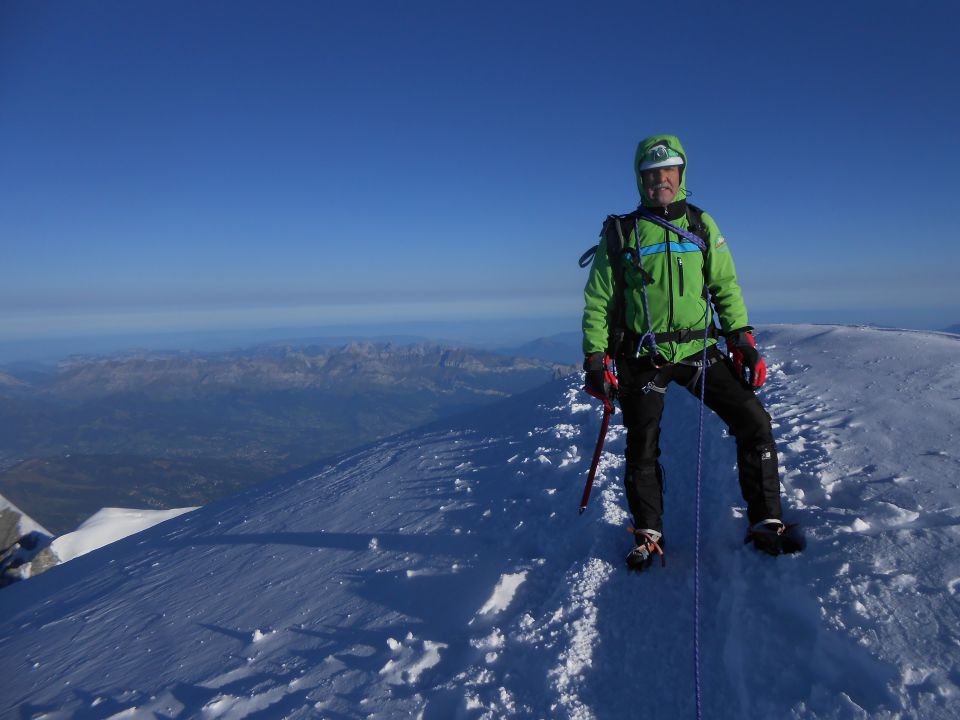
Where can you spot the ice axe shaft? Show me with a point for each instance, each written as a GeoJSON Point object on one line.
{"type": "Point", "coordinates": [607, 411]}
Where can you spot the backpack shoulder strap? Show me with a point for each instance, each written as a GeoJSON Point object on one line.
{"type": "Point", "coordinates": [612, 234]}
{"type": "Point", "coordinates": [616, 230]}
{"type": "Point", "coordinates": [696, 224]}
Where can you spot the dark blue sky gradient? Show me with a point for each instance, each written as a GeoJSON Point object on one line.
{"type": "Point", "coordinates": [182, 165]}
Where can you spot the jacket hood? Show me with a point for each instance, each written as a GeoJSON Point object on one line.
{"type": "Point", "coordinates": [673, 143]}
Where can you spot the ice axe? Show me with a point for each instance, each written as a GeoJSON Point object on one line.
{"type": "Point", "coordinates": [607, 412]}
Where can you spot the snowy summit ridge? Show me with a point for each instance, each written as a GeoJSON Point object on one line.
{"type": "Point", "coordinates": [445, 572]}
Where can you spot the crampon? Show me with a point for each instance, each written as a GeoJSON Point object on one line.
{"type": "Point", "coordinates": [648, 544]}
{"type": "Point", "coordinates": [775, 538]}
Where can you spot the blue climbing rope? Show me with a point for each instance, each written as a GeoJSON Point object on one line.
{"type": "Point", "coordinates": [643, 289]}
{"type": "Point", "coordinates": [696, 551]}
{"type": "Point", "coordinates": [687, 235]}
{"type": "Point", "coordinates": [647, 214]}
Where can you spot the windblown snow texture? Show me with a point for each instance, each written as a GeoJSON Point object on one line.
{"type": "Point", "coordinates": [446, 573]}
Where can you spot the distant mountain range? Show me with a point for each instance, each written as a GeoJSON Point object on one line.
{"type": "Point", "coordinates": [161, 430]}
{"type": "Point", "coordinates": [351, 368]}
{"type": "Point", "coordinates": [955, 329]}
{"type": "Point", "coordinates": [10, 382]}
{"type": "Point", "coordinates": [561, 348]}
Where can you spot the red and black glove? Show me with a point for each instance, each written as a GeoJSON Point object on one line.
{"type": "Point", "coordinates": [599, 379]}
{"type": "Point", "coordinates": [747, 363]}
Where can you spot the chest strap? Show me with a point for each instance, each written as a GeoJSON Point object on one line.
{"type": "Point", "coordinates": [677, 336]}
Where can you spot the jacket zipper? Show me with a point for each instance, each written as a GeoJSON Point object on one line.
{"type": "Point", "coordinates": [680, 271]}
{"type": "Point", "coordinates": [666, 234]}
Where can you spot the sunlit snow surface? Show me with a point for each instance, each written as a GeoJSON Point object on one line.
{"type": "Point", "coordinates": [446, 573]}
{"type": "Point", "coordinates": [109, 525]}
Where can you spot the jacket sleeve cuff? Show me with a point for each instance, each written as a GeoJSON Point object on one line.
{"type": "Point", "coordinates": [736, 337]}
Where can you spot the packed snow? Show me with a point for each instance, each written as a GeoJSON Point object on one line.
{"type": "Point", "coordinates": [445, 572]}
{"type": "Point", "coordinates": [107, 526]}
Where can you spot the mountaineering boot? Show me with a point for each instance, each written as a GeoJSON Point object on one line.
{"type": "Point", "coordinates": [647, 542]}
{"type": "Point", "coordinates": [774, 538]}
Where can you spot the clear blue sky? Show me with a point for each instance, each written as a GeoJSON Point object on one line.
{"type": "Point", "coordinates": [181, 165]}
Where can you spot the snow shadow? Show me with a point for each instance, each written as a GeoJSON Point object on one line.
{"type": "Point", "coordinates": [427, 544]}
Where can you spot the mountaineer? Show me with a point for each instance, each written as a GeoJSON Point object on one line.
{"type": "Point", "coordinates": [659, 277]}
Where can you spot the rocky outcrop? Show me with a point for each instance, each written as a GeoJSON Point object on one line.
{"type": "Point", "coordinates": [24, 545]}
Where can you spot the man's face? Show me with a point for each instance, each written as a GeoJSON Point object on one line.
{"type": "Point", "coordinates": [660, 185]}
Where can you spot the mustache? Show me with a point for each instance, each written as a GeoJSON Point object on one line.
{"type": "Point", "coordinates": [662, 186]}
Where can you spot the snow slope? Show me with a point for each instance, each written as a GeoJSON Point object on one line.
{"type": "Point", "coordinates": [445, 573]}
{"type": "Point", "coordinates": [108, 525]}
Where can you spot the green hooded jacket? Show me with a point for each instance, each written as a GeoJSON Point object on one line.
{"type": "Point", "coordinates": [679, 270]}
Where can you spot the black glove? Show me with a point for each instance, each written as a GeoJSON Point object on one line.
{"type": "Point", "coordinates": [599, 378]}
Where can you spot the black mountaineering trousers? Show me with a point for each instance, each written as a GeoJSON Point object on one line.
{"type": "Point", "coordinates": [736, 405]}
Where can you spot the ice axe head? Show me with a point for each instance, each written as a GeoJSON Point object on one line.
{"type": "Point", "coordinates": [605, 399]}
